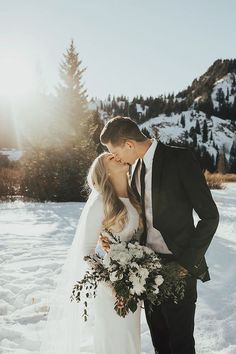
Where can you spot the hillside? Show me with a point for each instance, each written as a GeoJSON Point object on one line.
{"type": "Point", "coordinates": [202, 116]}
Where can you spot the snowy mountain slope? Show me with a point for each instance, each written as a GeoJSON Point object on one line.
{"type": "Point", "coordinates": [227, 85]}
{"type": "Point", "coordinates": [170, 127]}
{"type": "Point", "coordinates": [212, 94]}
{"type": "Point", "coordinates": [34, 241]}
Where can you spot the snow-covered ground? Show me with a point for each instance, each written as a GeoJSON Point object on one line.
{"type": "Point", "coordinates": [34, 240]}
{"type": "Point", "coordinates": [13, 154]}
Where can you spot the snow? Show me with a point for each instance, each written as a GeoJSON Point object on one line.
{"type": "Point", "coordinates": [13, 154]}
{"type": "Point", "coordinates": [140, 109]}
{"type": "Point", "coordinates": [34, 240]}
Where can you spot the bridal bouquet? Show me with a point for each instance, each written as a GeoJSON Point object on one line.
{"type": "Point", "coordinates": [134, 272]}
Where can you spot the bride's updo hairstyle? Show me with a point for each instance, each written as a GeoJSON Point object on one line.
{"type": "Point", "coordinates": [114, 209]}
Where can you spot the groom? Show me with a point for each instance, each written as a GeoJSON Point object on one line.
{"type": "Point", "coordinates": [169, 183]}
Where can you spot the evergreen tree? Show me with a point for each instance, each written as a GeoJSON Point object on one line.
{"type": "Point", "coordinates": [220, 97]}
{"type": "Point", "coordinates": [227, 95]}
{"type": "Point", "coordinates": [186, 135]}
{"type": "Point", "coordinates": [60, 169]}
{"type": "Point", "coordinates": [182, 120]}
{"type": "Point", "coordinates": [232, 158]}
{"type": "Point", "coordinates": [72, 97]}
{"type": "Point", "coordinates": [197, 127]}
{"type": "Point", "coordinates": [95, 127]}
{"type": "Point", "coordinates": [193, 136]}
{"type": "Point", "coordinates": [204, 132]}
{"type": "Point", "coordinates": [207, 160]}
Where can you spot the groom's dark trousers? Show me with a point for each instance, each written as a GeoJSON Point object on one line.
{"type": "Point", "coordinates": [172, 325]}
{"type": "Point", "coordinates": [178, 187]}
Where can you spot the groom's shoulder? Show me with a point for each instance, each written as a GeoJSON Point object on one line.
{"type": "Point", "coordinates": [174, 150]}
{"type": "Point", "coordinates": [175, 154]}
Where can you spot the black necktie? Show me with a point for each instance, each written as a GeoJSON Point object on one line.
{"type": "Point", "coordinates": [143, 239]}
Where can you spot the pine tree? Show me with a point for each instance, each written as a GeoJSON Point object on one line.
{"type": "Point", "coordinates": [197, 127]}
{"type": "Point", "coordinates": [193, 135]}
{"type": "Point", "coordinates": [207, 160]}
{"type": "Point", "coordinates": [204, 132]}
{"type": "Point", "coordinates": [72, 97]}
{"type": "Point", "coordinates": [227, 95]}
{"type": "Point", "coordinates": [182, 120]}
{"type": "Point", "coordinates": [232, 158]}
{"type": "Point", "coordinates": [95, 128]}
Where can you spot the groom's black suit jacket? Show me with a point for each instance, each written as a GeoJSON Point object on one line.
{"type": "Point", "coordinates": [178, 187]}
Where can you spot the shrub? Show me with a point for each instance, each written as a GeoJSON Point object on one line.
{"type": "Point", "coordinates": [55, 174]}
{"type": "Point", "coordinates": [214, 180]}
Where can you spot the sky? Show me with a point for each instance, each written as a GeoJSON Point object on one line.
{"type": "Point", "coordinates": [128, 47]}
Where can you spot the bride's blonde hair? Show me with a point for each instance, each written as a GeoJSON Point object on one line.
{"type": "Point", "coordinates": [114, 209]}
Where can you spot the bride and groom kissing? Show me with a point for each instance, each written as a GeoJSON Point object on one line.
{"type": "Point", "coordinates": [144, 180]}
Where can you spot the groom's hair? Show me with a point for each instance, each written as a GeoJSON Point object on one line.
{"type": "Point", "coordinates": [120, 129]}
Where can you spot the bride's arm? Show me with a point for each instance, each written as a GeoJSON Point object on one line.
{"type": "Point", "coordinates": [93, 226]}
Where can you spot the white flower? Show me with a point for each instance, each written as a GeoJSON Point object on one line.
{"type": "Point", "coordinates": [132, 252]}
{"type": "Point", "coordinates": [118, 247]}
{"type": "Point", "coordinates": [156, 291]}
{"type": "Point", "coordinates": [134, 265]}
{"type": "Point", "coordinates": [159, 280]}
{"type": "Point", "coordinates": [138, 289]}
{"type": "Point", "coordinates": [139, 253]}
{"type": "Point", "coordinates": [122, 257]}
{"type": "Point", "coordinates": [135, 279]}
{"type": "Point", "coordinates": [113, 276]}
{"type": "Point", "coordinates": [131, 245]}
{"type": "Point", "coordinates": [148, 250]}
{"type": "Point", "coordinates": [143, 272]}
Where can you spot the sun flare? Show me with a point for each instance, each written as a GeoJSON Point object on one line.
{"type": "Point", "coordinates": [16, 76]}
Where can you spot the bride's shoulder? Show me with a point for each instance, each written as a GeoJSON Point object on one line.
{"type": "Point", "coordinates": [94, 207]}
{"type": "Point", "coordinates": [97, 201]}
{"type": "Point", "coordinates": [98, 198]}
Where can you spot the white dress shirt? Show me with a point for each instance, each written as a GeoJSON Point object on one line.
{"type": "Point", "coordinates": [154, 237]}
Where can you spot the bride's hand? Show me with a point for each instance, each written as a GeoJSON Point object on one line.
{"type": "Point", "coordinates": [120, 303]}
{"type": "Point", "coordinates": [104, 243]}
{"type": "Point", "coordinates": [113, 292]}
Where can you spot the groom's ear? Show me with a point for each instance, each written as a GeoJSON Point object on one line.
{"type": "Point", "coordinates": [129, 144]}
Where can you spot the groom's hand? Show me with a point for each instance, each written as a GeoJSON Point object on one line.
{"type": "Point", "coordinates": [182, 271]}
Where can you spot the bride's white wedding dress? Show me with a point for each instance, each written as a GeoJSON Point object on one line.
{"type": "Point", "coordinates": [105, 332]}
{"type": "Point", "coordinates": [112, 333]}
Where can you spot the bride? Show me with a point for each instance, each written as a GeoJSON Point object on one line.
{"type": "Point", "coordinates": [111, 205]}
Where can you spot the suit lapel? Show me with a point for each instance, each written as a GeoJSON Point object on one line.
{"type": "Point", "coordinates": [133, 183]}
{"type": "Point", "coordinates": [156, 178]}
